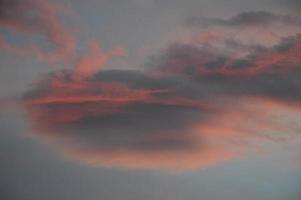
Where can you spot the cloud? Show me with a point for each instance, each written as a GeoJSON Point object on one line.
{"type": "Point", "coordinates": [193, 105]}
{"type": "Point", "coordinates": [191, 59]}
{"type": "Point", "coordinates": [38, 17]}
{"type": "Point", "coordinates": [245, 19]}
{"type": "Point", "coordinates": [95, 60]}
{"type": "Point", "coordinates": [252, 28]}
{"type": "Point", "coordinates": [118, 121]}
{"type": "Point", "coordinates": [120, 118]}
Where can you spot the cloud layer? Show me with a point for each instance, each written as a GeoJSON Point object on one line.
{"type": "Point", "coordinates": [195, 104]}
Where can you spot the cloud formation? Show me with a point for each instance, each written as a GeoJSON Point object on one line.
{"type": "Point", "coordinates": [200, 61]}
{"type": "Point", "coordinates": [253, 28]}
{"type": "Point", "coordinates": [121, 119]}
{"type": "Point", "coordinates": [192, 106]}
{"type": "Point", "coordinates": [130, 119]}
{"type": "Point", "coordinates": [245, 19]}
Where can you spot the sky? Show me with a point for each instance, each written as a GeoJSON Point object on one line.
{"type": "Point", "coordinates": [150, 99]}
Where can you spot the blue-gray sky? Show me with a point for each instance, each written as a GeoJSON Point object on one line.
{"type": "Point", "coordinates": [149, 99]}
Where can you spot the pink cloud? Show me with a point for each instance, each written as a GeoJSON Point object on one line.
{"type": "Point", "coordinates": [92, 62]}
{"type": "Point", "coordinates": [109, 123]}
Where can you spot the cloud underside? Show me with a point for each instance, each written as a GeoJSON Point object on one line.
{"type": "Point", "coordinates": [193, 105]}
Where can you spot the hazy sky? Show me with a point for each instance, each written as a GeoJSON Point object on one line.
{"type": "Point", "coordinates": [150, 100]}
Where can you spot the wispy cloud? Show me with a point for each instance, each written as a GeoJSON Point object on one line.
{"type": "Point", "coordinates": [38, 17]}
{"type": "Point", "coordinates": [95, 60]}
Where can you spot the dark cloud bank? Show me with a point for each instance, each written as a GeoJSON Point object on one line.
{"type": "Point", "coordinates": [245, 19]}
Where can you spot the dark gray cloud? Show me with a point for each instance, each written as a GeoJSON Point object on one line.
{"type": "Point", "coordinates": [202, 61]}
{"type": "Point", "coordinates": [269, 72]}
{"type": "Point", "coordinates": [27, 14]}
{"type": "Point", "coordinates": [245, 19]}
{"type": "Point", "coordinates": [118, 116]}
{"type": "Point", "coordinates": [138, 123]}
